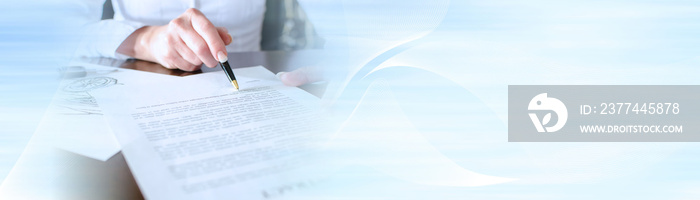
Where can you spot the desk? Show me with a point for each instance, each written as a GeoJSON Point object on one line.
{"type": "Point", "coordinates": [86, 178]}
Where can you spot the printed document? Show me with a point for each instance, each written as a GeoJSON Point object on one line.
{"type": "Point", "coordinates": [197, 137]}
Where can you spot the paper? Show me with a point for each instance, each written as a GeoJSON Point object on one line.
{"type": "Point", "coordinates": [75, 121]}
{"type": "Point", "coordinates": [197, 137]}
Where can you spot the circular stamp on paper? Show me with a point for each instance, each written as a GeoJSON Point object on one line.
{"type": "Point", "coordinates": [87, 84]}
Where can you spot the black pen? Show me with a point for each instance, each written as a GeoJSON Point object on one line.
{"type": "Point", "coordinates": [223, 61]}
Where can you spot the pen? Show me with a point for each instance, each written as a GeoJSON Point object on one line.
{"type": "Point", "coordinates": [223, 61]}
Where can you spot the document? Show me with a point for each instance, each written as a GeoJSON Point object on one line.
{"type": "Point", "coordinates": [74, 120]}
{"type": "Point", "coordinates": [197, 137]}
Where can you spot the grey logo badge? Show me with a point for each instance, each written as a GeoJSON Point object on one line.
{"type": "Point", "coordinates": [543, 103]}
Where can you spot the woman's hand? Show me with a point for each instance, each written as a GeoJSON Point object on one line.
{"type": "Point", "coordinates": [301, 76]}
{"type": "Point", "coordinates": [185, 43]}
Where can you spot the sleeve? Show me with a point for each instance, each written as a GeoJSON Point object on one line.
{"type": "Point", "coordinates": [101, 38]}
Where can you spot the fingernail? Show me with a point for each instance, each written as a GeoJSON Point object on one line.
{"type": "Point", "coordinates": [229, 35]}
{"type": "Point", "coordinates": [279, 75]}
{"type": "Point", "coordinates": [222, 57]}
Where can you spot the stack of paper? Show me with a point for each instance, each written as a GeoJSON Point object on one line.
{"type": "Point", "coordinates": [198, 137]}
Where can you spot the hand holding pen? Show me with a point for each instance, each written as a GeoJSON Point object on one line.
{"type": "Point", "coordinates": [185, 43]}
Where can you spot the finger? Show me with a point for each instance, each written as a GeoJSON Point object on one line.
{"type": "Point", "coordinates": [182, 64]}
{"type": "Point", "coordinates": [186, 52]}
{"type": "Point", "coordinates": [299, 77]}
{"type": "Point", "coordinates": [166, 60]}
{"type": "Point", "coordinates": [208, 31]}
{"type": "Point", "coordinates": [193, 40]}
{"type": "Point", "coordinates": [223, 32]}
{"type": "Point", "coordinates": [168, 65]}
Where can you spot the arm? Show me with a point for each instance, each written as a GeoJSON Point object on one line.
{"type": "Point", "coordinates": [99, 38]}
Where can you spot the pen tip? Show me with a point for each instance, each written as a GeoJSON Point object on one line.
{"type": "Point", "coordinates": [235, 84]}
